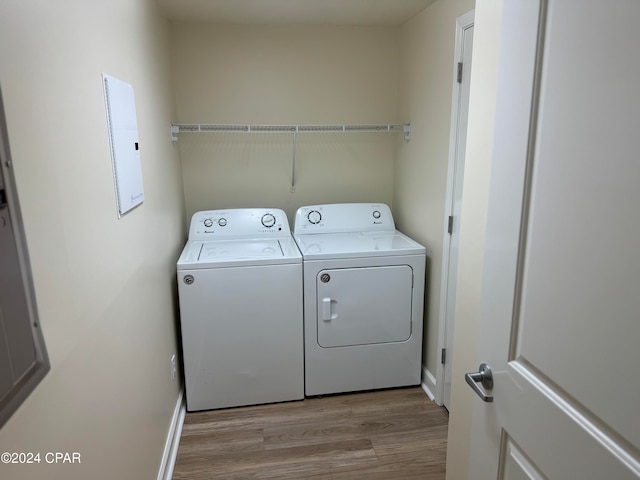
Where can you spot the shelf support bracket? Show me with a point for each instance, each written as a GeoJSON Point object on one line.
{"type": "Point", "coordinates": [407, 132]}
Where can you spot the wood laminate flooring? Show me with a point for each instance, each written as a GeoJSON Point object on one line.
{"type": "Point", "coordinates": [394, 434]}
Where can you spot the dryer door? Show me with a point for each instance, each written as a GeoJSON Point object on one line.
{"type": "Point", "coordinates": [361, 306]}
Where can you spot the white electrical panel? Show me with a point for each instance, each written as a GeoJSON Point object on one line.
{"type": "Point", "coordinates": [125, 149]}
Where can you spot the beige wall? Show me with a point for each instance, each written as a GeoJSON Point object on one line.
{"type": "Point", "coordinates": [472, 232]}
{"type": "Point", "coordinates": [105, 287]}
{"type": "Point", "coordinates": [428, 44]}
{"type": "Point", "coordinates": [285, 75]}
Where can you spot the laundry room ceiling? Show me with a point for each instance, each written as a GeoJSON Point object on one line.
{"type": "Point", "coordinates": [309, 12]}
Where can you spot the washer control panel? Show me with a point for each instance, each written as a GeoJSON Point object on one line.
{"type": "Point", "coordinates": [343, 217]}
{"type": "Point", "coordinates": [239, 223]}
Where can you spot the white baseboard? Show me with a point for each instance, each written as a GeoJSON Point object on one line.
{"type": "Point", "coordinates": [428, 383]}
{"type": "Point", "coordinates": [173, 439]}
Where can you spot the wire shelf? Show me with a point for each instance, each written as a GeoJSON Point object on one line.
{"type": "Point", "coordinates": [291, 129]}
{"type": "Point", "coordinates": [331, 128]}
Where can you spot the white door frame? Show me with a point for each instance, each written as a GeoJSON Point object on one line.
{"type": "Point", "coordinates": [23, 353]}
{"type": "Point", "coordinates": [462, 23]}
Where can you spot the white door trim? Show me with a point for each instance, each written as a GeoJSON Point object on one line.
{"type": "Point", "coordinates": [462, 23]}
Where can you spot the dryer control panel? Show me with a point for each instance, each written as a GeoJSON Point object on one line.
{"type": "Point", "coordinates": [343, 217]}
{"type": "Point", "coordinates": [239, 223]}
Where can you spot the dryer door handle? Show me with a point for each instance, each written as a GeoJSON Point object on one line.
{"type": "Point", "coordinates": [326, 309]}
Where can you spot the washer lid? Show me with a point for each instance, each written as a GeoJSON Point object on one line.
{"type": "Point", "coordinates": [230, 253]}
{"type": "Point", "coordinates": [357, 244]}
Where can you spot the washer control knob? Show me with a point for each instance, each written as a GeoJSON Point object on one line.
{"type": "Point", "coordinates": [222, 222]}
{"type": "Point", "coordinates": [314, 216]}
{"type": "Point", "coordinates": [268, 220]}
{"type": "Point", "coordinates": [208, 222]}
{"type": "Point", "coordinates": [376, 214]}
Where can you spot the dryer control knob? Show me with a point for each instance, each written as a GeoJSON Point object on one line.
{"type": "Point", "coordinates": [314, 216]}
{"type": "Point", "coordinates": [222, 222]}
{"type": "Point", "coordinates": [376, 214]}
{"type": "Point", "coordinates": [268, 220]}
{"type": "Point", "coordinates": [208, 222]}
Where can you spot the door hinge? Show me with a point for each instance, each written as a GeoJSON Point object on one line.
{"type": "Point", "coordinates": [450, 226]}
{"type": "Point", "coordinates": [3, 198]}
{"type": "Point", "coordinates": [459, 72]}
{"type": "Point", "coordinates": [443, 356]}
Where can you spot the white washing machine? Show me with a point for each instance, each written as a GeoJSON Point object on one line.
{"type": "Point", "coordinates": [363, 299]}
{"type": "Point", "coordinates": [240, 293]}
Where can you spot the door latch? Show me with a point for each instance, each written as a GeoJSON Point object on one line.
{"type": "Point", "coordinates": [484, 375]}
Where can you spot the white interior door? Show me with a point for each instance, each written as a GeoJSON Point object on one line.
{"type": "Point", "coordinates": [460, 114]}
{"type": "Point", "coordinates": [561, 293]}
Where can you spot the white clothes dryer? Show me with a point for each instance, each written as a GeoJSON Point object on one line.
{"type": "Point", "coordinates": [363, 299]}
{"type": "Point", "coordinates": [240, 295]}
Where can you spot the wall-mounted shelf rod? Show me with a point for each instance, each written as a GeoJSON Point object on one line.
{"type": "Point", "coordinates": [239, 128]}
